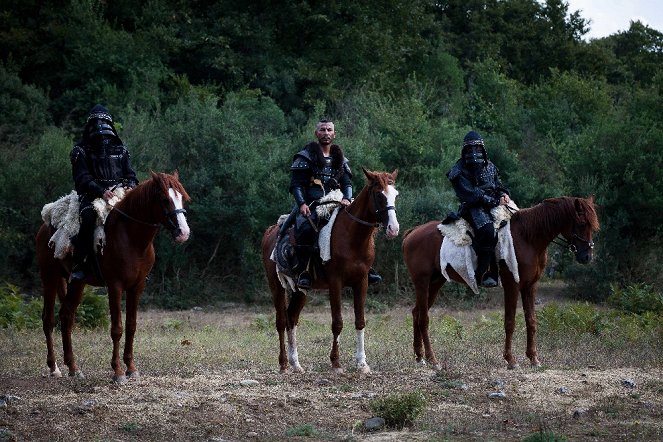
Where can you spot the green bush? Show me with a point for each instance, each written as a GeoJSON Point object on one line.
{"type": "Point", "coordinates": [579, 318]}
{"type": "Point", "coordinates": [399, 409]}
{"type": "Point", "coordinates": [93, 311]}
{"type": "Point", "coordinates": [17, 312]}
{"type": "Point", "coordinates": [636, 298]}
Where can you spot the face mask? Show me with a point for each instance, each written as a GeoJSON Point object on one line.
{"type": "Point", "coordinates": [473, 156]}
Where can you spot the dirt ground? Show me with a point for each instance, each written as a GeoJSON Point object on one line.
{"type": "Point", "coordinates": [218, 407]}
{"type": "Point", "coordinates": [223, 401]}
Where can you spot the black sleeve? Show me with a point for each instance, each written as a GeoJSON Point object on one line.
{"type": "Point", "coordinates": [84, 182]}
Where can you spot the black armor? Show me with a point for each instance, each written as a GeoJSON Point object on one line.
{"type": "Point", "coordinates": [477, 184]}
{"type": "Point", "coordinates": [99, 161]}
{"type": "Point", "coordinates": [313, 175]}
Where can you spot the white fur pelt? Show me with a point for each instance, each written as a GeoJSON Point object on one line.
{"type": "Point", "coordinates": [63, 215]}
{"type": "Point", "coordinates": [457, 251]}
{"type": "Point", "coordinates": [324, 239]}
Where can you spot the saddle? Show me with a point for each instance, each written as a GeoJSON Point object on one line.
{"type": "Point", "coordinates": [457, 246]}
{"type": "Point", "coordinates": [62, 215]}
{"type": "Point", "coordinates": [285, 251]}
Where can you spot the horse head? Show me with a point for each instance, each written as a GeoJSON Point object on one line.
{"type": "Point", "coordinates": [578, 234]}
{"type": "Point", "coordinates": [383, 202]}
{"type": "Point", "coordinates": [171, 197]}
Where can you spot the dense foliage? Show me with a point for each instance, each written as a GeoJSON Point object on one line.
{"type": "Point", "coordinates": [226, 92]}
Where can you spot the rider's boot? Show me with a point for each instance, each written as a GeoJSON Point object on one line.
{"type": "Point", "coordinates": [304, 281]}
{"type": "Point", "coordinates": [83, 245]}
{"type": "Point", "coordinates": [484, 278]}
{"type": "Point", "coordinates": [373, 277]}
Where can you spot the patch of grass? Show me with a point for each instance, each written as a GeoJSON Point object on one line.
{"type": "Point", "coordinates": [399, 409]}
{"type": "Point", "coordinates": [6, 435]}
{"type": "Point", "coordinates": [544, 436]}
{"type": "Point", "coordinates": [130, 427]}
{"type": "Point", "coordinates": [173, 324]}
{"type": "Point", "coordinates": [264, 323]}
{"type": "Point", "coordinates": [578, 318]}
{"type": "Point", "coordinates": [446, 381]}
{"type": "Point", "coordinates": [306, 430]}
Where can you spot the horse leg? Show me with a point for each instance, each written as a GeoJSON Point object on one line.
{"type": "Point", "coordinates": [337, 325]}
{"type": "Point", "coordinates": [133, 296]}
{"type": "Point", "coordinates": [359, 292]}
{"type": "Point", "coordinates": [433, 290]}
{"type": "Point", "coordinates": [510, 303]}
{"type": "Point", "coordinates": [297, 302]}
{"type": "Point", "coordinates": [67, 316]}
{"type": "Point", "coordinates": [115, 305]}
{"type": "Point", "coordinates": [528, 295]}
{"type": "Point", "coordinates": [426, 292]}
{"type": "Point", "coordinates": [278, 299]}
{"type": "Point", "coordinates": [53, 285]}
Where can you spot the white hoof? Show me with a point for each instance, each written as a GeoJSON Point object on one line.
{"type": "Point", "coordinates": [364, 369]}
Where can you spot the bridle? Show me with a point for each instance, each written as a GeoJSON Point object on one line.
{"type": "Point", "coordinates": [571, 245]}
{"type": "Point", "coordinates": [380, 213]}
{"type": "Point", "coordinates": [171, 218]}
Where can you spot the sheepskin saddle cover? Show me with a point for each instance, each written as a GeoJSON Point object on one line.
{"type": "Point", "coordinates": [62, 215]}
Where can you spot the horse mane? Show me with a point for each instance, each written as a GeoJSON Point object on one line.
{"type": "Point", "coordinates": [381, 180]}
{"type": "Point", "coordinates": [149, 190]}
{"type": "Point", "coordinates": [544, 217]}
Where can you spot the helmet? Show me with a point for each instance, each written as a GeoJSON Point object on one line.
{"type": "Point", "coordinates": [99, 123]}
{"type": "Point", "coordinates": [474, 152]}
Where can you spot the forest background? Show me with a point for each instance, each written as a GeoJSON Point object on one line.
{"type": "Point", "coordinates": [226, 92]}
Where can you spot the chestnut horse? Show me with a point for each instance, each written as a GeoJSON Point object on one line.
{"type": "Point", "coordinates": [532, 229]}
{"type": "Point", "coordinates": [352, 254]}
{"type": "Point", "coordinates": [127, 258]}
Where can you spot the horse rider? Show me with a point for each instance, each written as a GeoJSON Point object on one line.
{"type": "Point", "coordinates": [477, 184]}
{"type": "Point", "coordinates": [100, 162]}
{"type": "Point", "coordinates": [317, 169]}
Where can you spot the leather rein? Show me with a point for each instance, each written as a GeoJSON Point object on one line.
{"type": "Point", "coordinates": [377, 212]}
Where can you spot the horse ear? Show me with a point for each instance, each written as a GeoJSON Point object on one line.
{"type": "Point", "coordinates": [370, 175]}
{"type": "Point", "coordinates": [578, 205]}
{"type": "Point", "coordinates": [394, 174]}
{"type": "Point", "coordinates": [176, 174]}
{"type": "Point", "coordinates": [153, 174]}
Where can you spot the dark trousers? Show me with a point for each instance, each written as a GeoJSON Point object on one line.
{"type": "Point", "coordinates": [485, 240]}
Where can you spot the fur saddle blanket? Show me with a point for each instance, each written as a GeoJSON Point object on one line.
{"type": "Point", "coordinates": [458, 252]}
{"type": "Point", "coordinates": [324, 211]}
{"type": "Point", "coordinates": [62, 214]}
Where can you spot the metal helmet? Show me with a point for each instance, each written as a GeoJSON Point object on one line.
{"type": "Point", "coordinates": [99, 124]}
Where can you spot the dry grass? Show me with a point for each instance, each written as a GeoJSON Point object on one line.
{"type": "Point", "coordinates": [192, 364]}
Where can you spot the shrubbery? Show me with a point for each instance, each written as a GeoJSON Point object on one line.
{"type": "Point", "coordinates": [19, 312]}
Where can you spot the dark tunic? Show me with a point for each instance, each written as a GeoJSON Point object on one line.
{"type": "Point", "coordinates": [478, 191]}
{"type": "Point", "coordinates": [97, 168]}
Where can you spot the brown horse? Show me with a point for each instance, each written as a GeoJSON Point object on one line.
{"type": "Point", "coordinates": [352, 254]}
{"type": "Point", "coordinates": [124, 264]}
{"type": "Point", "coordinates": [532, 229]}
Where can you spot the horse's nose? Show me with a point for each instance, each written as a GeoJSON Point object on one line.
{"type": "Point", "coordinates": [180, 236]}
{"type": "Point", "coordinates": [392, 231]}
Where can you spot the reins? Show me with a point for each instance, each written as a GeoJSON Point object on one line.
{"type": "Point", "coordinates": [134, 219]}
